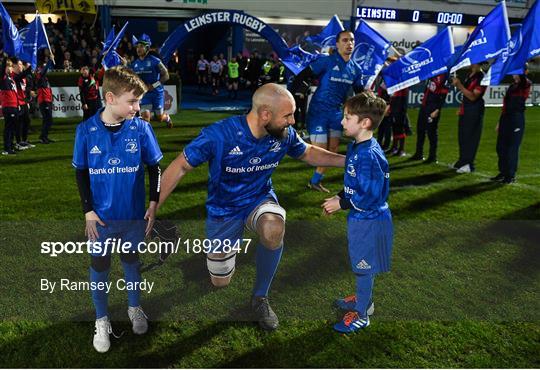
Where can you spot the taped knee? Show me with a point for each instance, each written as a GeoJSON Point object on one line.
{"type": "Point", "coordinates": [221, 265]}
{"type": "Point", "coordinates": [100, 263]}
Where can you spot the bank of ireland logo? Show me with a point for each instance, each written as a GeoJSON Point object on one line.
{"type": "Point", "coordinates": [255, 160]}
{"type": "Point", "coordinates": [363, 55]}
{"type": "Point", "coordinates": [131, 147]}
{"type": "Point", "coordinates": [114, 161]}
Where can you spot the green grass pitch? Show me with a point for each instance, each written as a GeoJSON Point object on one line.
{"type": "Point", "coordinates": [463, 290]}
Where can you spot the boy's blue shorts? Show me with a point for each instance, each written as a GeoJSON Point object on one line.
{"type": "Point", "coordinates": [370, 243]}
{"type": "Point", "coordinates": [156, 98]}
{"type": "Point", "coordinates": [122, 231]}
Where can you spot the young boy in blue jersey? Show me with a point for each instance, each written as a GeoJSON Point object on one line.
{"type": "Point", "coordinates": [154, 74]}
{"type": "Point", "coordinates": [243, 152]}
{"type": "Point", "coordinates": [365, 192]}
{"type": "Point", "coordinates": [110, 151]}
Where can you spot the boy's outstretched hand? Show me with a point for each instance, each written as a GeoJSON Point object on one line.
{"type": "Point", "coordinates": [91, 229]}
{"type": "Point", "coordinates": [150, 216]}
{"type": "Point", "coordinates": [331, 205]}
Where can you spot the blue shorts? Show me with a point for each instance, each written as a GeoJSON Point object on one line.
{"type": "Point", "coordinates": [123, 232]}
{"type": "Point", "coordinates": [322, 121]}
{"type": "Point", "coordinates": [156, 98]}
{"type": "Point", "coordinates": [232, 228]}
{"type": "Point", "coordinates": [370, 243]}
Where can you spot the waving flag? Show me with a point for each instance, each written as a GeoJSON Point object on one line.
{"type": "Point", "coordinates": [34, 38]}
{"type": "Point", "coordinates": [423, 62]}
{"type": "Point", "coordinates": [298, 59]}
{"type": "Point", "coordinates": [327, 37]}
{"type": "Point", "coordinates": [10, 36]}
{"type": "Point", "coordinates": [488, 39]}
{"type": "Point", "coordinates": [370, 51]}
{"type": "Point", "coordinates": [524, 45]}
{"type": "Point", "coordinates": [110, 56]}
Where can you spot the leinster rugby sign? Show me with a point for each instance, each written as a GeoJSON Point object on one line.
{"type": "Point", "coordinates": [230, 17]}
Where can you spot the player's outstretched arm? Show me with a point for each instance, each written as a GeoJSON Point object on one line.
{"type": "Point", "coordinates": [319, 157]}
{"type": "Point", "coordinates": [172, 175]}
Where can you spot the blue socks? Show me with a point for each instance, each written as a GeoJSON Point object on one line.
{"type": "Point", "coordinates": [364, 289]}
{"type": "Point", "coordinates": [100, 296]}
{"type": "Point", "coordinates": [132, 275]}
{"type": "Point", "coordinates": [317, 177]}
{"type": "Point", "coordinates": [267, 263]}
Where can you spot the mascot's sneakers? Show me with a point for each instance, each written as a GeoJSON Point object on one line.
{"type": "Point", "coordinates": [168, 121]}
{"type": "Point", "coordinates": [138, 319]}
{"type": "Point", "coordinates": [349, 303]}
{"type": "Point", "coordinates": [102, 343]}
{"type": "Point", "coordinates": [351, 323]}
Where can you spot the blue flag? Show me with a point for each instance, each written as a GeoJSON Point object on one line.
{"type": "Point", "coordinates": [524, 45]}
{"type": "Point", "coordinates": [370, 52]}
{"type": "Point", "coordinates": [327, 37]}
{"type": "Point", "coordinates": [110, 57]}
{"type": "Point", "coordinates": [34, 38]}
{"type": "Point", "coordinates": [10, 35]}
{"type": "Point", "coordinates": [423, 62]}
{"type": "Point", "coordinates": [487, 40]}
{"type": "Point", "coordinates": [298, 59]}
{"type": "Point", "coordinates": [108, 40]}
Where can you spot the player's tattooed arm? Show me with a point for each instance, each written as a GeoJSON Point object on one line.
{"type": "Point", "coordinates": [172, 176]}
{"type": "Point", "coordinates": [319, 157]}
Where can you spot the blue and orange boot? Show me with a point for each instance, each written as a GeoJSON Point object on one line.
{"type": "Point", "coordinates": [351, 323]}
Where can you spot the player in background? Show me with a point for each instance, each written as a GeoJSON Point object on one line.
{"type": "Point", "coordinates": [337, 74]}
{"type": "Point", "coordinates": [233, 77]}
{"type": "Point", "coordinates": [154, 74]}
{"type": "Point", "coordinates": [110, 152]}
{"type": "Point", "coordinates": [216, 68]}
{"type": "Point", "coordinates": [243, 152]}
{"type": "Point", "coordinates": [365, 195]}
{"type": "Point", "coordinates": [202, 71]}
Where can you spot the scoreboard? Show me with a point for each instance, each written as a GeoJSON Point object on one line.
{"type": "Point", "coordinates": [420, 16]}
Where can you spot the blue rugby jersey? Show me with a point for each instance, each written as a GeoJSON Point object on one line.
{"type": "Point", "coordinates": [366, 179]}
{"type": "Point", "coordinates": [115, 162]}
{"type": "Point", "coordinates": [240, 165]}
{"type": "Point", "coordinates": [148, 70]}
{"type": "Point", "coordinates": [336, 78]}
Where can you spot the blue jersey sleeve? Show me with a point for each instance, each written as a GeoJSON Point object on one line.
{"type": "Point", "coordinates": [297, 146]}
{"type": "Point", "coordinates": [320, 65]}
{"type": "Point", "coordinates": [201, 149]}
{"type": "Point", "coordinates": [150, 151]}
{"type": "Point", "coordinates": [370, 182]}
{"type": "Point", "coordinates": [80, 155]}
